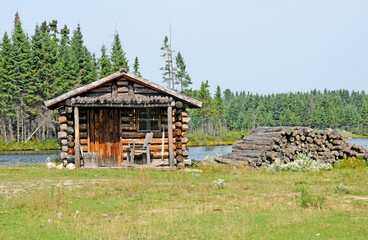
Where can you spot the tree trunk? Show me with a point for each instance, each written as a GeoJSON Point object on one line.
{"type": "Point", "coordinates": [220, 126]}
{"type": "Point", "coordinates": [11, 133]}
{"type": "Point", "coordinates": [17, 124]}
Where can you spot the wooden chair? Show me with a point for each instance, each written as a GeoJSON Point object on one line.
{"type": "Point", "coordinates": [143, 148]}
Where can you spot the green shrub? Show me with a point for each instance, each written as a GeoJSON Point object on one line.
{"type": "Point", "coordinates": [309, 200]}
{"type": "Point", "coordinates": [301, 163]}
{"type": "Point", "coordinates": [341, 188]}
{"type": "Point", "coordinates": [351, 163]}
{"type": "Point", "coordinates": [49, 144]}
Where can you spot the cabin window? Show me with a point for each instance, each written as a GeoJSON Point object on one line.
{"type": "Point", "coordinates": [148, 119]}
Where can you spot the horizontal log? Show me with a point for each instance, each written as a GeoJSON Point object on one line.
{"type": "Point", "coordinates": [179, 152]}
{"type": "Point", "coordinates": [106, 89]}
{"type": "Point", "coordinates": [178, 132]}
{"type": "Point", "coordinates": [63, 127]}
{"type": "Point", "coordinates": [71, 144]}
{"type": "Point", "coordinates": [63, 155]}
{"type": "Point", "coordinates": [70, 150]}
{"type": "Point", "coordinates": [62, 135]}
{"type": "Point", "coordinates": [186, 120]}
{"type": "Point", "coordinates": [180, 158]}
{"type": "Point", "coordinates": [185, 153]}
{"type": "Point", "coordinates": [126, 128]}
{"type": "Point", "coordinates": [184, 127]}
{"type": "Point", "coordinates": [64, 142]}
{"type": "Point", "coordinates": [64, 148]}
{"type": "Point", "coordinates": [62, 119]}
{"type": "Point", "coordinates": [70, 130]}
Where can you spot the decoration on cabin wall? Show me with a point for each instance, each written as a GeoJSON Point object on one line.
{"type": "Point", "coordinates": [104, 117]}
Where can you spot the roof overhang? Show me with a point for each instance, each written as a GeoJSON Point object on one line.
{"type": "Point", "coordinates": [192, 103]}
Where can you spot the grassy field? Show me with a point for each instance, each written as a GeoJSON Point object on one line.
{"type": "Point", "coordinates": [347, 135]}
{"type": "Point", "coordinates": [41, 203]}
{"type": "Point", "coordinates": [201, 138]}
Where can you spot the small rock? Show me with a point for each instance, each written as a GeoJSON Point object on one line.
{"type": "Point", "coordinates": [188, 162]}
{"type": "Point", "coordinates": [50, 165]}
{"type": "Point", "coordinates": [70, 166]}
{"type": "Point", "coordinates": [180, 165]}
{"type": "Point", "coordinates": [60, 166]}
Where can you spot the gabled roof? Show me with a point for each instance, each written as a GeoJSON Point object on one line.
{"type": "Point", "coordinates": [51, 104]}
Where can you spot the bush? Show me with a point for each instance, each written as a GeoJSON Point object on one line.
{"type": "Point", "coordinates": [309, 200]}
{"type": "Point", "coordinates": [301, 163]}
{"type": "Point", "coordinates": [351, 163]}
{"type": "Point", "coordinates": [341, 188]}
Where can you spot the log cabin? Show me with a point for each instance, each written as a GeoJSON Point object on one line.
{"type": "Point", "coordinates": [102, 119]}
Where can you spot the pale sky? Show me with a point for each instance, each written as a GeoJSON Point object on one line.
{"type": "Point", "coordinates": [261, 46]}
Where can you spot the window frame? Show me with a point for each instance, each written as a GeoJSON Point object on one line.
{"type": "Point", "coordinates": [148, 119]}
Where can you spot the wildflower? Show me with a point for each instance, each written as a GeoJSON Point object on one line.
{"type": "Point", "coordinates": [60, 214]}
{"type": "Point", "coordinates": [219, 183]}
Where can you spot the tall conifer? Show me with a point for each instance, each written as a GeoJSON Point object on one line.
{"type": "Point", "coordinates": [136, 67]}
{"type": "Point", "coordinates": [118, 58]}
{"type": "Point", "coordinates": [182, 75]}
{"type": "Point", "coordinates": [104, 63]}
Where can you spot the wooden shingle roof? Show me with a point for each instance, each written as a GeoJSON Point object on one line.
{"type": "Point", "coordinates": [192, 103]}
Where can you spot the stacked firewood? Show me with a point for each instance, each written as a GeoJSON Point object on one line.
{"type": "Point", "coordinates": [265, 144]}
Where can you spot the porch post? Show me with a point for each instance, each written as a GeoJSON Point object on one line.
{"type": "Point", "coordinates": [77, 142]}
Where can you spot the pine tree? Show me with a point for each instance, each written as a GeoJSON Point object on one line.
{"type": "Point", "coordinates": [204, 96]}
{"type": "Point", "coordinates": [168, 71]}
{"type": "Point", "coordinates": [364, 113]}
{"type": "Point", "coordinates": [8, 87]}
{"type": "Point", "coordinates": [136, 67]}
{"type": "Point", "coordinates": [219, 108]}
{"type": "Point", "coordinates": [104, 63]}
{"type": "Point", "coordinates": [77, 56]}
{"type": "Point", "coordinates": [44, 57]}
{"type": "Point", "coordinates": [66, 71]}
{"type": "Point", "coordinates": [90, 68]}
{"type": "Point", "coordinates": [20, 72]}
{"type": "Point", "coordinates": [118, 58]}
{"type": "Point", "coordinates": [181, 75]}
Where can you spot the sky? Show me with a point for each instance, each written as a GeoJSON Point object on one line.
{"type": "Point", "coordinates": [260, 46]}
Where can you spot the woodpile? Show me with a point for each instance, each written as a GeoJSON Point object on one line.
{"type": "Point", "coordinates": [265, 144]}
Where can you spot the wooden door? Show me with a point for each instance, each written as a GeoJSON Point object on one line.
{"type": "Point", "coordinates": [104, 138]}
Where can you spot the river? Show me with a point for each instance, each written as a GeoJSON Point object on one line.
{"type": "Point", "coordinates": [195, 153]}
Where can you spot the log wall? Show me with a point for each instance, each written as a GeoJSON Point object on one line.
{"type": "Point", "coordinates": [129, 124]}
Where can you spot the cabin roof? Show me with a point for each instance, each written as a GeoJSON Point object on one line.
{"type": "Point", "coordinates": [193, 103]}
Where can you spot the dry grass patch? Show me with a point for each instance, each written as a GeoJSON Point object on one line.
{"type": "Point", "coordinates": [131, 204]}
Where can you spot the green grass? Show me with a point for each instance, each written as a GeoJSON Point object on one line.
{"type": "Point", "coordinates": [201, 138]}
{"type": "Point", "coordinates": [50, 144]}
{"type": "Point", "coordinates": [143, 204]}
{"type": "Point", "coordinates": [348, 135]}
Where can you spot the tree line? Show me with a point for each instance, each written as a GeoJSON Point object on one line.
{"type": "Point", "coordinates": [244, 110]}
{"type": "Point", "coordinates": [51, 62]}
{"type": "Point", "coordinates": [55, 60]}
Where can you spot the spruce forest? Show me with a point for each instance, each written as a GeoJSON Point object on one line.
{"type": "Point", "coordinates": [55, 60]}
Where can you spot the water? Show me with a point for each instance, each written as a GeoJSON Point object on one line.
{"type": "Point", "coordinates": [199, 153]}
{"type": "Point", "coordinates": [26, 157]}
{"type": "Point", "coordinates": [195, 153]}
